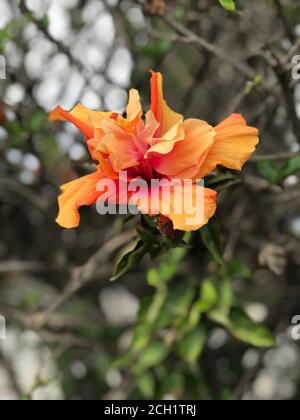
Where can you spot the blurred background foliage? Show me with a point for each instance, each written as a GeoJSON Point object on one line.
{"type": "Point", "coordinates": [209, 319]}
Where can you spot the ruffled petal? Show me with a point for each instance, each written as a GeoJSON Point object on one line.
{"type": "Point", "coordinates": [122, 152]}
{"type": "Point", "coordinates": [186, 156]}
{"type": "Point", "coordinates": [167, 143]}
{"type": "Point", "coordinates": [81, 117]}
{"type": "Point", "coordinates": [189, 206]}
{"type": "Point", "coordinates": [75, 194]}
{"type": "Point", "coordinates": [162, 112]}
{"type": "Point", "coordinates": [233, 145]}
{"type": "Point", "coordinates": [134, 107]}
{"type": "Point", "coordinates": [198, 206]}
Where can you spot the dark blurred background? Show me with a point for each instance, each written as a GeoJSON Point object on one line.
{"type": "Point", "coordinates": [71, 333]}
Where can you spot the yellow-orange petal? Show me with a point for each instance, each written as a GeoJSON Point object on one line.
{"type": "Point", "coordinates": [75, 194]}
{"type": "Point", "coordinates": [122, 152]}
{"type": "Point", "coordinates": [162, 112]}
{"type": "Point", "coordinates": [233, 145]}
{"type": "Point", "coordinates": [81, 117]}
{"type": "Point", "coordinates": [166, 144]}
{"type": "Point", "coordinates": [106, 167]}
{"type": "Point", "coordinates": [189, 206]}
{"type": "Point", "coordinates": [134, 107]}
{"type": "Point", "coordinates": [185, 159]}
{"type": "Point", "coordinates": [199, 206]}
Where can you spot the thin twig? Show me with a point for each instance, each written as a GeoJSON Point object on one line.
{"type": "Point", "coordinates": [81, 276]}
{"type": "Point", "coordinates": [274, 156]}
{"type": "Point", "coordinates": [191, 37]}
{"type": "Point", "coordinates": [11, 374]}
{"type": "Point", "coordinates": [14, 266]}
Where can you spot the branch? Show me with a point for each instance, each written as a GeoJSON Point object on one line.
{"type": "Point", "coordinates": [25, 193]}
{"type": "Point", "coordinates": [82, 276]}
{"type": "Point", "coordinates": [65, 339]}
{"type": "Point", "coordinates": [191, 37]}
{"type": "Point", "coordinates": [14, 266]}
{"type": "Point", "coordinates": [284, 21]}
{"type": "Point", "coordinates": [11, 374]}
{"type": "Point", "coordinates": [274, 156]}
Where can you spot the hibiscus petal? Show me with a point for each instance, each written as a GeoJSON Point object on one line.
{"type": "Point", "coordinates": [187, 155]}
{"type": "Point", "coordinates": [134, 107]}
{"type": "Point", "coordinates": [199, 205]}
{"type": "Point", "coordinates": [122, 151]}
{"type": "Point", "coordinates": [81, 117]}
{"type": "Point", "coordinates": [80, 192]}
{"type": "Point", "coordinates": [166, 144]}
{"type": "Point", "coordinates": [189, 206]}
{"type": "Point", "coordinates": [233, 145]}
{"type": "Point", "coordinates": [162, 112]}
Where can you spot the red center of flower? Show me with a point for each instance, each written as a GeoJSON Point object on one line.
{"type": "Point", "coordinates": [114, 116]}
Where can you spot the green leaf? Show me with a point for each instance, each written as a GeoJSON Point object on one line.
{"type": "Point", "coordinates": [168, 268]}
{"type": "Point", "coordinates": [269, 170]}
{"type": "Point", "coordinates": [147, 229]}
{"type": "Point", "coordinates": [156, 305]}
{"type": "Point", "coordinates": [149, 223]}
{"type": "Point", "coordinates": [129, 258]}
{"type": "Point", "coordinates": [48, 149]}
{"type": "Point", "coordinates": [207, 301]}
{"type": "Point", "coordinates": [146, 235]}
{"type": "Point", "coordinates": [235, 269]}
{"type": "Point", "coordinates": [37, 121]}
{"type": "Point", "coordinates": [155, 48]}
{"type": "Point", "coordinates": [173, 382]}
{"type": "Point", "coordinates": [221, 312]}
{"type": "Point", "coordinates": [243, 328]}
{"type": "Point", "coordinates": [276, 173]}
{"type": "Point", "coordinates": [146, 385]}
{"type": "Point", "coordinates": [228, 5]}
{"type": "Point", "coordinates": [149, 313]}
{"type": "Point", "coordinates": [152, 356]}
{"type": "Point", "coordinates": [45, 22]}
{"type": "Point", "coordinates": [143, 330]}
{"type": "Point", "coordinates": [192, 345]}
{"type": "Point", "coordinates": [209, 294]}
{"type": "Point", "coordinates": [180, 299]}
{"type": "Point", "coordinates": [291, 167]}
{"type": "Point", "coordinates": [211, 237]}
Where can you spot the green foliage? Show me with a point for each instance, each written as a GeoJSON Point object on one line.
{"type": "Point", "coordinates": [228, 5]}
{"type": "Point", "coordinates": [175, 322]}
{"type": "Point", "coordinates": [155, 48]}
{"type": "Point", "coordinates": [48, 149]}
{"type": "Point", "coordinates": [192, 345]}
{"type": "Point", "coordinates": [275, 173]}
{"type": "Point", "coordinates": [211, 237]}
{"type": "Point", "coordinates": [168, 267]}
{"type": "Point", "coordinates": [222, 308]}
{"type": "Point", "coordinates": [146, 385]}
{"type": "Point", "coordinates": [129, 258]}
{"type": "Point", "coordinates": [243, 328]}
{"type": "Point", "coordinates": [152, 356]}
{"type": "Point", "coordinates": [150, 240]}
{"type": "Point", "coordinates": [236, 270]}
{"type": "Point", "coordinates": [233, 318]}
{"type": "Point", "coordinates": [36, 122]}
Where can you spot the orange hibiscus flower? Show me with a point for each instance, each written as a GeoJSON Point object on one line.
{"type": "Point", "coordinates": [160, 145]}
